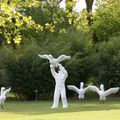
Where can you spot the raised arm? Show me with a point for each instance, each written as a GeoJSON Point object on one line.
{"type": "Point", "coordinates": [63, 70]}
{"type": "Point", "coordinates": [52, 69]}
{"type": "Point", "coordinates": [7, 91]}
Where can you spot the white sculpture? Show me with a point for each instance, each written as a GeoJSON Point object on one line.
{"type": "Point", "coordinates": [59, 77]}
{"type": "Point", "coordinates": [102, 93]}
{"type": "Point", "coordinates": [81, 92]}
{"type": "Point", "coordinates": [54, 61]}
{"type": "Point", "coordinates": [3, 95]}
{"type": "Point", "coordinates": [60, 90]}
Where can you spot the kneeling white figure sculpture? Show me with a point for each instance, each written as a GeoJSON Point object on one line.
{"type": "Point", "coordinates": [60, 78]}
{"type": "Point", "coordinates": [102, 93]}
{"type": "Point", "coordinates": [81, 92]}
{"type": "Point", "coordinates": [3, 95]}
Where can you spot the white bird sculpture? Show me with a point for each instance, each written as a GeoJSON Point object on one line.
{"type": "Point", "coordinates": [102, 93]}
{"type": "Point", "coordinates": [3, 95]}
{"type": "Point", "coordinates": [54, 61]}
{"type": "Point", "coordinates": [80, 91]}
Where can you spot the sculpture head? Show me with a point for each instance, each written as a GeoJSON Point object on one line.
{"type": "Point", "coordinates": [102, 87]}
{"type": "Point", "coordinates": [81, 85]}
{"type": "Point", "coordinates": [2, 89]}
{"type": "Point", "coordinates": [57, 69]}
{"type": "Point", "coordinates": [51, 56]}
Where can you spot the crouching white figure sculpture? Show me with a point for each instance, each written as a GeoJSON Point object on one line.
{"type": "Point", "coordinates": [102, 93]}
{"type": "Point", "coordinates": [3, 95]}
{"type": "Point", "coordinates": [81, 92]}
{"type": "Point", "coordinates": [60, 78]}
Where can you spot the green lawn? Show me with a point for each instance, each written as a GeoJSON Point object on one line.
{"type": "Point", "coordinates": [87, 110]}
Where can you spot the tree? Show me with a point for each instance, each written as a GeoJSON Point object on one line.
{"type": "Point", "coordinates": [109, 57]}
{"type": "Point", "coordinates": [106, 19]}
{"type": "Point", "coordinates": [13, 20]}
{"type": "Point", "coordinates": [89, 5]}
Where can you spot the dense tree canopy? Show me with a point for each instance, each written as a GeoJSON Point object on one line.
{"type": "Point", "coordinates": [107, 19]}
{"type": "Point", "coordinates": [13, 20]}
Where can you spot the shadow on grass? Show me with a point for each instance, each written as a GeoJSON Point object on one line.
{"type": "Point", "coordinates": [43, 107]}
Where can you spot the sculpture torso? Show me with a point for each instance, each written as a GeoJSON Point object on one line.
{"type": "Point", "coordinates": [2, 97]}
{"type": "Point", "coordinates": [60, 78]}
{"type": "Point", "coordinates": [102, 92]}
{"type": "Point", "coordinates": [81, 93]}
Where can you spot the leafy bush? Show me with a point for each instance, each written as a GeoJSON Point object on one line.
{"type": "Point", "coordinates": [108, 67]}
{"type": "Point", "coordinates": [107, 19]}
{"type": "Point", "coordinates": [25, 71]}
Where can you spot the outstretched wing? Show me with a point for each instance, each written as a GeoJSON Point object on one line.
{"type": "Point", "coordinates": [45, 56]}
{"type": "Point", "coordinates": [111, 91]}
{"type": "Point", "coordinates": [7, 91]}
{"type": "Point", "coordinates": [94, 89]}
{"type": "Point", "coordinates": [74, 88]}
{"type": "Point", "coordinates": [63, 57]}
{"type": "Point", "coordinates": [86, 89]}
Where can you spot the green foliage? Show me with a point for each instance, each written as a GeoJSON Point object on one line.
{"type": "Point", "coordinates": [90, 109]}
{"type": "Point", "coordinates": [13, 20]}
{"type": "Point", "coordinates": [77, 110]}
{"type": "Point", "coordinates": [25, 71]}
{"type": "Point", "coordinates": [109, 57]}
{"type": "Point", "coordinates": [107, 19]}
{"type": "Point", "coordinates": [46, 28]}
{"type": "Point", "coordinates": [54, 20]}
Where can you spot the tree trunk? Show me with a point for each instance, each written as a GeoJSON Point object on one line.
{"type": "Point", "coordinates": [89, 5]}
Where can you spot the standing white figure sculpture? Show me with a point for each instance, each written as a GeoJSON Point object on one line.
{"type": "Point", "coordinates": [81, 92]}
{"type": "Point", "coordinates": [3, 95]}
{"type": "Point", "coordinates": [59, 77]}
{"type": "Point", "coordinates": [102, 93]}
{"type": "Point", "coordinates": [54, 61]}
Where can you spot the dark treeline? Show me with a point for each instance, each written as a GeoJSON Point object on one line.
{"type": "Point", "coordinates": [46, 28]}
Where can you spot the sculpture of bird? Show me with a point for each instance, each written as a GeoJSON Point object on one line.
{"type": "Point", "coordinates": [54, 61]}
{"type": "Point", "coordinates": [81, 92]}
{"type": "Point", "coordinates": [4, 92]}
{"type": "Point", "coordinates": [102, 93]}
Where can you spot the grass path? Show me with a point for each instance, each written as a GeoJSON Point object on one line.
{"type": "Point", "coordinates": [88, 110]}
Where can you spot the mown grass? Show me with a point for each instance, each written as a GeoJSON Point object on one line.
{"type": "Point", "coordinates": [87, 110]}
